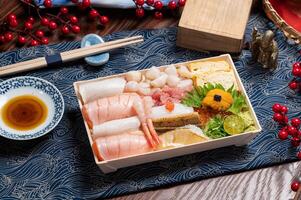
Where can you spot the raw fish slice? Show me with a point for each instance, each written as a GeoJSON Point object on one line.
{"type": "Point", "coordinates": [127, 144]}
{"type": "Point", "coordinates": [115, 127]}
{"type": "Point", "coordinates": [99, 89]}
{"type": "Point", "coordinates": [110, 108]}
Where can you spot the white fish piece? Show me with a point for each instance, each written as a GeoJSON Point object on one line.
{"type": "Point", "coordinates": [144, 91]}
{"type": "Point", "coordinates": [160, 111]}
{"type": "Point", "coordinates": [152, 73]}
{"type": "Point", "coordinates": [171, 70]}
{"type": "Point", "coordinates": [131, 86]}
{"type": "Point", "coordinates": [133, 76]}
{"type": "Point", "coordinates": [184, 72]}
{"type": "Point", "coordinates": [172, 80]}
{"type": "Point", "coordinates": [115, 127]}
{"type": "Point", "coordinates": [185, 84]}
{"type": "Point", "coordinates": [99, 89]}
{"type": "Point", "coordinates": [160, 81]}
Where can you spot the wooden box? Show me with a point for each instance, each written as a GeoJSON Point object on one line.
{"type": "Point", "coordinates": [214, 25]}
{"type": "Point", "coordinates": [241, 139]}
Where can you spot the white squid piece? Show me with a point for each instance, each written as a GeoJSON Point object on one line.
{"type": "Point", "coordinates": [133, 76]}
{"type": "Point", "coordinates": [152, 73]}
{"type": "Point", "coordinates": [99, 89]}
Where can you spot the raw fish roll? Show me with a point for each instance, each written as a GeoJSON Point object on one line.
{"type": "Point", "coordinates": [122, 145]}
{"type": "Point", "coordinates": [99, 89]}
{"type": "Point", "coordinates": [110, 108]}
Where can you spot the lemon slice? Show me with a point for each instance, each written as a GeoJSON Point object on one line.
{"type": "Point", "coordinates": [234, 124]}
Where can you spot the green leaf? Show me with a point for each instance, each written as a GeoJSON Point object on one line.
{"type": "Point", "coordinates": [215, 129]}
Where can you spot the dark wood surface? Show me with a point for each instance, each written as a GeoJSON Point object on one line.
{"type": "Point", "coordinates": [270, 183]}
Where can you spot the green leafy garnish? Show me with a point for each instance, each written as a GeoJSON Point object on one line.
{"type": "Point", "coordinates": [239, 102]}
{"type": "Point", "coordinates": [195, 97]}
{"type": "Point", "coordinates": [215, 129]}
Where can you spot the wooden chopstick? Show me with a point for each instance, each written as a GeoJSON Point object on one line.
{"type": "Point", "coordinates": [70, 55]}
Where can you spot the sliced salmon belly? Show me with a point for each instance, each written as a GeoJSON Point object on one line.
{"type": "Point", "coordinates": [122, 145]}
{"type": "Point", "coordinates": [110, 108]}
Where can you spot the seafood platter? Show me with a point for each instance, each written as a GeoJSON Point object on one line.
{"type": "Point", "coordinates": [163, 112]}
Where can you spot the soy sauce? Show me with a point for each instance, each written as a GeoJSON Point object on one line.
{"type": "Point", "coordinates": [24, 112]}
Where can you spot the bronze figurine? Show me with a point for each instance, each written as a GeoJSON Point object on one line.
{"type": "Point", "coordinates": [264, 49]}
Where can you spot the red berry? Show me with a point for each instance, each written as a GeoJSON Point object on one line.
{"type": "Point", "coordinates": [8, 36]}
{"type": "Point", "coordinates": [158, 5]}
{"type": "Point", "coordinates": [295, 186]}
{"type": "Point", "coordinates": [73, 19]}
{"type": "Point", "coordinates": [28, 1]}
{"type": "Point", "coordinates": [21, 39]}
{"type": "Point", "coordinates": [47, 3]}
{"type": "Point", "coordinates": [44, 21]}
{"type": "Point", "coordinates": [34, 43]}
{"type": "Point", "coordinates": [140, 12]}
{"type": "Point", "coordinates": [296, 72]}
{"type": "Point", "coordinates": [172, 5]}
{"type": "Point", "coordinates": [299, 155]}
{"type": "Point", "coordinates": [158, 15]}
{"type": "Point", "coordinates": [86, 3]}
{"type": "Point", "coordinates": [13, 23]}
{"type": "Point", "coordinates": [103, 20]}
{"type": "Point", "coordinates": [285, 120]}
{"type": "Point", "coordinates": [139, 2]}
{"type": "Point", "coordinates": [2, 38]}
{"type": "Point", "coordinates": [297, 65]}
{"type": "Point", "coordinates": [93, 14]}
{"type": "Point", "coordinates": [75, 29]}
{"type": "Point", "coordinates": [44, 40]}
{"type": "Point", "coordinates": [65, 30]}
{"type": "Point", "coordinates": [11, 17]}
{"type": "Point", "coordinates": [282, 135]}
{"type": "Point", "coordinates": [74, 1]}
{"type": "Point", "coordinates": [31, 20]}
{"type": "Point", "coordinates": [52, 25]}
{"type": "Point", "coordinates": [278, 117]}
{"type": "Point", "coordinates": [150, 2]}
{"type": "Point", "coordinates": [284, 109]}
{"type": "Point", "coordinates": [292, 130]}
{"type": "Point", "coordinates": [64, 10]}
{"type": "Point", "coordinates": [39, 33]}
{"type": "Point", "coordinates": [296, 122]}
{"type": "Point", "coordinates": [293, 85]}
{"type": "Point", "coordinates": [295, 141]}
{"type": "Point", "coordinates": [277, 108]}
{"type": "Point", "coordinates": [28, 25]}
{"type": "Point", "coordinates": [181, 3]}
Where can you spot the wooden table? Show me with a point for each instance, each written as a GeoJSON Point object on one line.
{"type": "Point", "coordinates": [269, 183]}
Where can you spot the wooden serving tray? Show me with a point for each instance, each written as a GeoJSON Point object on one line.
{"type": "Point", "coordinates": [238, 140]}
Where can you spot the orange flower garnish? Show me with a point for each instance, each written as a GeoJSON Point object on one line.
{"type": "Point", "coordinates": [170, 106]}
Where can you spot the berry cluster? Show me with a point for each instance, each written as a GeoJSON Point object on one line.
{"type": "Point", "coordinates": [295, 84]}
{"type": "Point", "coordinates": [157, 5]}
{"type": "Point", "coordinates": [288, 131]}
{"type": "Point", "coordinates": [47, 22]}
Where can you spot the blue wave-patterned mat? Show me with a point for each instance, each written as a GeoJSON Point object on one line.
{"type": "Point", "coordinates": [60, 165]}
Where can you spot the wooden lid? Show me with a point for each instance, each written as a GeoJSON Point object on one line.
{"type": "Point", "coordinates": [218, 17]}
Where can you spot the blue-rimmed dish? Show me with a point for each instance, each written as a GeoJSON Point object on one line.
{"type": "Point", "coordinates": [45, 91]}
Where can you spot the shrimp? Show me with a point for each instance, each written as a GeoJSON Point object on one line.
{"type": "Point", "coordinates": [122, 145]}
{"type": "Point", "coordinates": [110, 108]}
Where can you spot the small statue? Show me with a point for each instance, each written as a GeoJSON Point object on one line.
{"type": "Point", "coordinates": [264, 49]}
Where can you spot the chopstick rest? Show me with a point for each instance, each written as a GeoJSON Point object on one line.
{"type": "Point", "coordinates": [99, 59]}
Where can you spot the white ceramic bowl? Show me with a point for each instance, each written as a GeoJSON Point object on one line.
{"type": "Point", "coordinates": [47, 92]}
